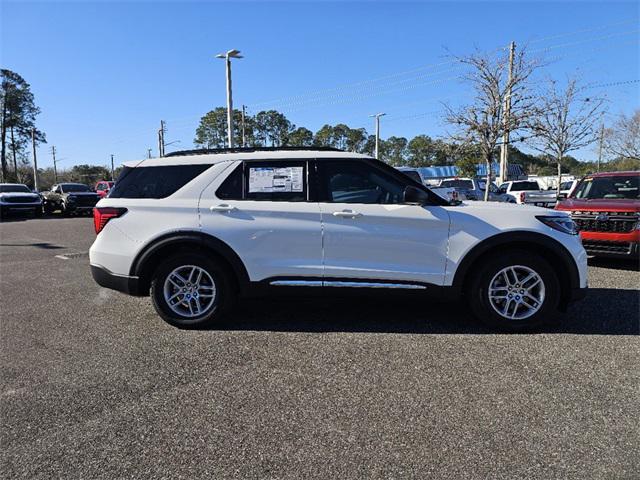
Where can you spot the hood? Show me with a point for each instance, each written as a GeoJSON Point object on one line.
{"type": "Point", "coordinates": [498, 207]}
{"type": "Point", "coordinates": [19, 194]}
{"type": "Point", "coordinates": [82, 194]}
{"type": "Point", "coordinates": [609, 204]}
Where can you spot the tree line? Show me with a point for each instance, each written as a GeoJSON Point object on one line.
{"type": "Point", "coordinates": [273, 129]}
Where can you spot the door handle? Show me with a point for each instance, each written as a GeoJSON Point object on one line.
{"type": "Point", "coordinates": [223, 207]}
{"type": "Point", "coordinates": [347, 214]}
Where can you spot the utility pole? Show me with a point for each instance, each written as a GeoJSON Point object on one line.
{"type": "Point", "coordinates": [227, 57]}
{"type": "Point", "coordinates": [112, 175]}
{"type": "Point", "coordinates": [377, 117]}
{"type": "Point", "coordinates": [35, 160]}
{"type": "Point", "coordinates": [161, 139]}
{"type": "Point", "coordinates": [55, 169]}
{"type": "Point", "coordinates": [243, 138]}
{"type": "Point", "coordinates": [600, 146]}
{"type": "Point", "coordinates": [504, 148]}
{"type": "Point", "coordinates": [148, 153]}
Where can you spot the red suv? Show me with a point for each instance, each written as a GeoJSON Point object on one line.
{"type": "Point", "coordinates": [102, 188]}
{"type": "Point", "coordinates": [606, 208]}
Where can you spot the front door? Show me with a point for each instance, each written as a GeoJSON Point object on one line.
{"type": "Point", "coordinates": [369, 233]}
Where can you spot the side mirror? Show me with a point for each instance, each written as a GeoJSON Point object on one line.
{"type": "Point", "coordinates": [563, 195]}
{"type": "Point", "coordinates": [415, 195]}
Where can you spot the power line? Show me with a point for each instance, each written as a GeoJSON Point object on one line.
{"type": "Point", "coordinates": [580, 42]}
{"type": "Point", "coordinates": [575, 32]}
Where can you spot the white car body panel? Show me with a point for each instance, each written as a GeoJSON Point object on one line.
{"type": "Point", "coordinates": [474, 222]}
{"type": "Point", "coordinates": [386, 242]}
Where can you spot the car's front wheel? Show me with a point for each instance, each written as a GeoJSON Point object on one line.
{"type": "Point", "coordinates": [191, 291]}
{"type": "Point", "coordinates": [515, 291]}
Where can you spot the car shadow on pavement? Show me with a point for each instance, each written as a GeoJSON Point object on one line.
{"type": "Point", "coordinates": [632, 265]}
{"type": "Point", "coordinates": [603, 312]}
{"type": "Point", "coordinates": [43, 245]}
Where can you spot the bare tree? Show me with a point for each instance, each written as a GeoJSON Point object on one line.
{"type": "Point", "coordinates": [482, 123]}
{"type": "Point", "coordinates": [623, 138]}
{"type": "Point", "coordinates": [567, 121]}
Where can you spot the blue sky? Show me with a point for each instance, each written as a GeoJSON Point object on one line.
{"type": "Point", "coordinates": [105, 73]}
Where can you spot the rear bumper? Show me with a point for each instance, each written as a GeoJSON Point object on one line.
{"type": "Point", "coordinates": [121, 283]}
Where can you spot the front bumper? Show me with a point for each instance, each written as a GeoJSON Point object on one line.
{"type": "Point", "coordinates": [605, 244]}
{"type": "Point", "coordinates": [121, 283]}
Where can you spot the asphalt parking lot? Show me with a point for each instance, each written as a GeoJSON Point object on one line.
{"type": "Point", "coordinates": [95, 385]}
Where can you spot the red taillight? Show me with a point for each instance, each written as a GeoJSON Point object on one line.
{"type": "Point", "coordinates": [101, 215]}
{"type": "Point", "coordinates": [522, 195]}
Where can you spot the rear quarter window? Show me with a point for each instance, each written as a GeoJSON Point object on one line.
{"type": "Point", "coordinates": [154, 182]}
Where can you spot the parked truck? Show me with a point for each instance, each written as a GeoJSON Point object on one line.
{"type": "Point", "coordinates": [606, 209]}
{"type": "Point", "coordinates": [529, 192]}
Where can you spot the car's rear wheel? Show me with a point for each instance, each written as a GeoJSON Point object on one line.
{"type": "Point", "coordinates": [191, 291]}
{"type": "Point", "coordinates": [515, 291]}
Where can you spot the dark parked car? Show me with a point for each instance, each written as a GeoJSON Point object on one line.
{"type": "Point", "coordinates": [16, 197]}
{"type": "Point", "coordinates": [70, 198]}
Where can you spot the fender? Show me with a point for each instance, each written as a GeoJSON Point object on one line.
{"type": "Point", "coordinates": [199, 239]}
{"type": "Point", "coordinates": [549, 247]}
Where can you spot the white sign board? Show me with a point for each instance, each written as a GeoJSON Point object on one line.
{"type": "Point", "coordinates": [270, 179]}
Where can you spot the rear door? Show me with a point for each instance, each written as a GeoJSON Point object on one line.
{"type": "Point", "coordinates": [370, 234]}
{"type": "Point", "coordinates": [262, 211]}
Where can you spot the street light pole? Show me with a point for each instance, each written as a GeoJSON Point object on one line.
{"type": "Point", "coordinates": [112, 177]}
{"type": "Point", "coordinates": [35, 160]}
{"type": "Point", "coordinates": [227, 57]}
{"type": "Point", "coordinates": [377, 117]}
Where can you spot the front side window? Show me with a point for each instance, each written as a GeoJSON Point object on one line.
{"type": "Point", "coordinates": [357, 182]}
{"type": "Point", "coordinates": [154, 182]}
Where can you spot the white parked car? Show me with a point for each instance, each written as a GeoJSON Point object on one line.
{"type": "Point", "coordinates": [195, 231]}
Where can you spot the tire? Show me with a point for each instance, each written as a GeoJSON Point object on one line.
{"type": "Point", "coordinates": [185, 314]}
{"type": "Point", "coordinates": [64, 210]}
{"type": "Point", "coordinates": [37, 212]}
{"type": "Point", "coordinates": [519, 316]}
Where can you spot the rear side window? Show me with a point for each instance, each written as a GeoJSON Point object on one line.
{"type": "Point", "coordinates": [275, 181]}
{"type": "Point", "coordinates": [154, 182]}
{"type": "Point", "coordinates": [525, 186]}
{"type": "Point", "coordinates": [231, 188]}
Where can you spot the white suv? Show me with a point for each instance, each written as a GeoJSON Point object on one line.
{"type": "Point", "coordinates": [197, 230]}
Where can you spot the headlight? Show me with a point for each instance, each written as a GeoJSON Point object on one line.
{"type": "Point", "coordinates": [561, 223]}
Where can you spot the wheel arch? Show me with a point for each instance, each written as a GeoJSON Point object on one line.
{"type": "Point", "coordinates": [147, 260]}
{"type": "Point", "coordinates": [554, 252]}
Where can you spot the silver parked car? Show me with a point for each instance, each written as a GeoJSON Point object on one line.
{"type": "Point", "coordinates": [473, 189]}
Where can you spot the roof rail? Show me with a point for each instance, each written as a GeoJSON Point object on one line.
{"type": "Point", "coordinates": [209, 151]}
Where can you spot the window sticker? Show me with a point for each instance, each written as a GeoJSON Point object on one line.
{"type": "Point", "coordinates": [270, 179]}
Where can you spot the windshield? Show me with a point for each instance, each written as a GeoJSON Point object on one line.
{"type": "Point", "coordinates": [525, 186]}
{"type": "Point", "coordinates": [468, 184]}
{"type": "Point", "coordinates": [14, 188]}
{"type": "Point", "coordinates": [70, 187]}
{"type": "Point", "coordinates": [609, 187]}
